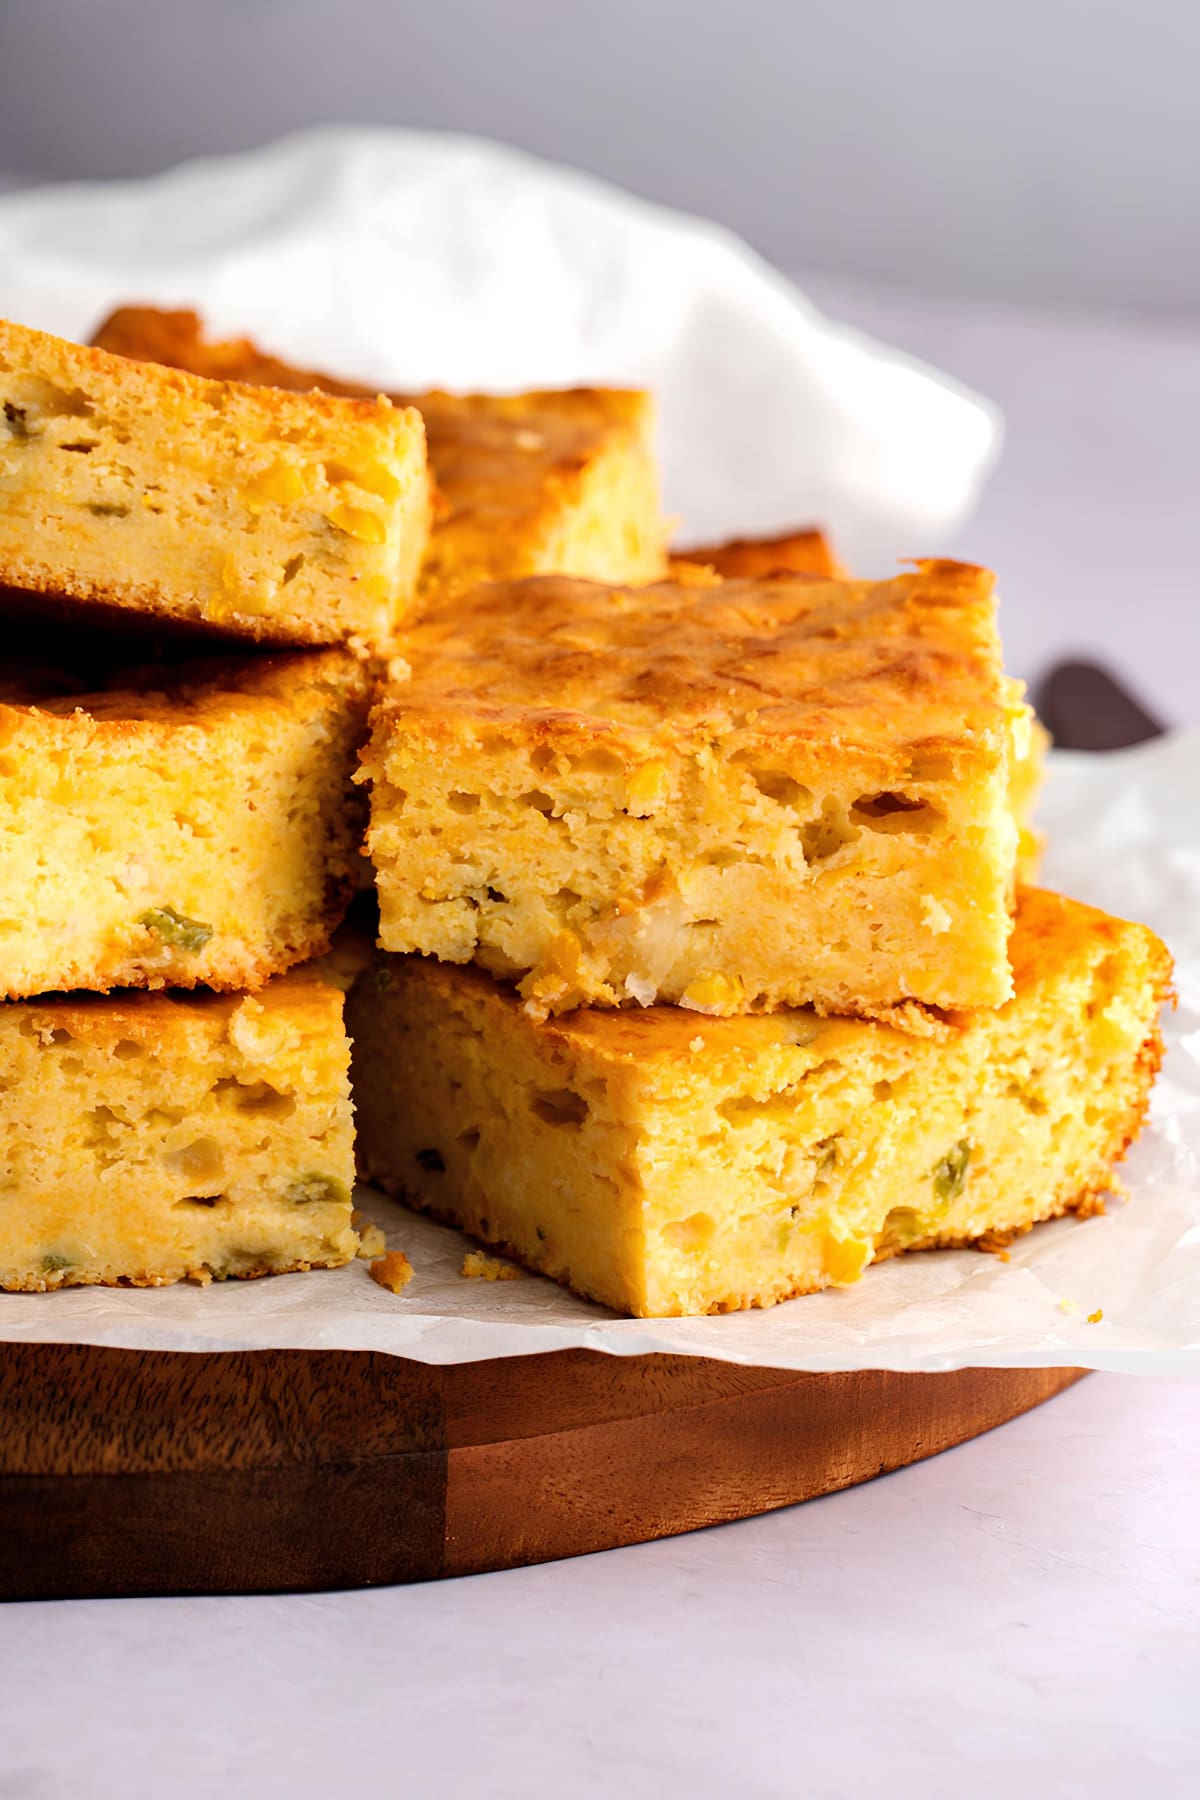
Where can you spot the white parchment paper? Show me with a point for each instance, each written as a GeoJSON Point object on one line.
{"type": "Point", "coordinates": [418, 260]}
{"type": "Point", "coordinates": [1125, 831]}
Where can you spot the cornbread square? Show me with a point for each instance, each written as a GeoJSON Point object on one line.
{"type": "Point", "coordinates": [131, 489]}
{"type": "Point", "coordinates": [151, 1137]}
{"type": "Point", "coordinates": [749, 795]}
{"type": "Point", "coordinates": [803, 552]}
{"type": "Point", "coordinates": [556, 481]}
{"type": "Point", "coordinates": [192, 822]}
{"type": "Point", "coordinates": [665, 1165]}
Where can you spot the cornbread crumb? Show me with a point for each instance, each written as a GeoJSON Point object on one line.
{"type": "Point", "coordinates": [1070, 1307]}
{"type": "Point", "coordinates": [478, 1266]}
{"type": "Point", "coordinates": [371, 1242]}
{"type": "Point", "coordinates": [1094, 1318]}
{"type": "Point", "coordinates": [393, 1271]}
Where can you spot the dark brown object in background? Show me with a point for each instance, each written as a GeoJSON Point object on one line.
{"type": "Point", "coordinates": [141, 1472]}
{"type": "Point", "coordinates": [1085, 708]}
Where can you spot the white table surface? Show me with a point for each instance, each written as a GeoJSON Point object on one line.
{"type": "Point", "coordinates": [1018, 1617]}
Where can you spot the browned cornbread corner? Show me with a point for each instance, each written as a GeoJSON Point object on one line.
{"type": "Point", "coordinates": [186, 823]}
{"type": "Point", "coordinates": [803, 552]}
{"type": "Point", "coordinates": [810, 552]}
{"type": "Point", "coordinates": [751, 795]}
{"type": "Point", "coordinates": [553, 481]}
{"type": "Point", "coordinates": [146, 1138]}
{"type": "Point", "coordinates": [664, 1164]}
{"type": "Point", "coordinates": [127, 488]}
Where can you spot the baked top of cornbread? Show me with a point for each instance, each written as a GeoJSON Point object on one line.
{"type": "Point", "coordinates": [129, 488]}
{"type": "Point", "coordinates": [804, 552]}
{"type": "Point", "coordinates": [553, 478]}
{"type": "Point", "coordinates": [892, 672]}
{"type": "Point", "coordinates": [176, 689]}
{"type": "Point", "coordinates": [294, 1010]}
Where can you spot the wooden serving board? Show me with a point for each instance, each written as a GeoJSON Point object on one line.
{"type": "Point", "coordinates": [142, 1472]}
{"type": "Point", "coordinates": [136, 1472]}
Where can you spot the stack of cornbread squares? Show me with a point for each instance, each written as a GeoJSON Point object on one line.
{"type": "Point", "coordinates": [708, 967]}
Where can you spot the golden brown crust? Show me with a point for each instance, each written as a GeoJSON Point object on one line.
{"type": "Point", "coordinates": [799, 552]}
{"type": "Point", "coordinates": [186, 690]}
{"type": "Point", "coordinates": [891, 670]}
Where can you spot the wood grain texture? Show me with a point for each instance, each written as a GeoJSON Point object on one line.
{"type": "Point", "coordinates": [130, 1472]}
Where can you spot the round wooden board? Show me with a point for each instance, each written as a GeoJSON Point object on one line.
{"type": "Point", "coordinates": [132, 1472]}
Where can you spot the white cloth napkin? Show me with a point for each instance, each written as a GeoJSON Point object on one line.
{"type": "Point", "coordinates": [416, 259]}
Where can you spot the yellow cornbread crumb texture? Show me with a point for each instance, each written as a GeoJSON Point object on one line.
{"type": "Point", "coordinates": [784, 1155]}
{"type": "Point", "coordinates": [179, 825]}
{"type": "Point", "coordinates": [371, 1242]}
{"type": "Point", "coordinates": [146, 1138]}
{"type": "Point", "coordinates": [758, 794]}
{"type": "Point", "coordinates": [393, 1271]}
{"type": "Point", "coordinates": [282, 517]}
{"type": "Point", "coordinates": [478, 1266]}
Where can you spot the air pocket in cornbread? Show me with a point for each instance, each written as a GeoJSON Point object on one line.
{"type": "Point", "coordinates": [134, 489]}
{"type": "Point", "coordinates": [145, 1138]}
{"type": "Point", "coordinates": [748, 795]}
{"type": "Point", "coordinates": [563, 480]}
{"type": "Point", "coordinates": [664, 1164]}
{"type": "Point", "coordinates": [189, 823]}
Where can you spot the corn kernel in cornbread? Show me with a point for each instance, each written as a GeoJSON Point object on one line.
{"type": "Point", "coordinates": [130, 489]}
{"type": "Point", "coordinates": [557, 481]}
{"type": "Point", "coordinates": [755, 794]}
{"type": "Point", "coordinates": [145, 1138]}
{"type": "Point", "coordinates": [665, 1164]}
{"type": "Point", "coordinates": [189, 823]}
{"type": "Point", "coordinates": [807, 552]}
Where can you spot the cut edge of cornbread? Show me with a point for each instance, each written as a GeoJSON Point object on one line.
{"type": "Point", "coordinates": [132, 488]}
{"type": "Point", "coordinates": [668, 1166]}
{"type": "Point", "coordinates": [188, 824]}
{"type": "Point", "coordinates": [734, 797]}
{"type": "Point", "coordinates": [149, 1139]}
{"type": "Point", "coordinates": [552, 480]}
{"type": "Point", "coordinates": [809, 551]}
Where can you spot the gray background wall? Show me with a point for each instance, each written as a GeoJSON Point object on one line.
{"type": "Point", "coordinates": [1039, 149]}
